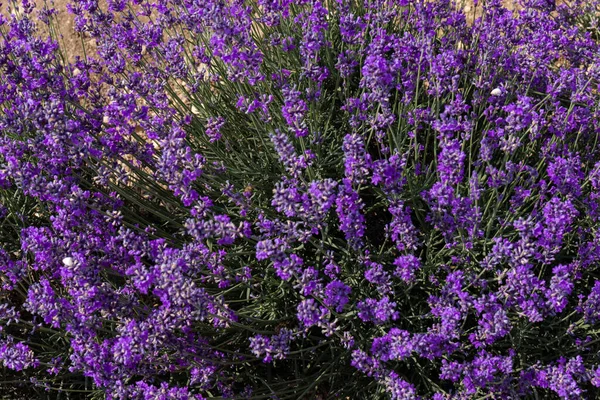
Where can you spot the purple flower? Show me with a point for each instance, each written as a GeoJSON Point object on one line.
{"type": "Point", "coordinates": [294, 110]}
{"type": "Point", "coordinates": [213, 128]}
{"type": "Point", "coordinates": [357, 162]}
{"type": "Point", "coordinates": [596, 377]}
{"type": "Point", "coordinates": [395, 345]}
{"type": "Point", "coordinates": [399, 389]}
{"type": "Point", "coordinates": [378, 276]}
{"type": "Point", "coordinates": [377, 311]}
{"type": "Point", "coordinates": [271, 248]}
{"type": "Point", "coordinates": [287, 267]}
{"type": "Point", "coordinates": [309, 282]}
{"type": "Point", "coordinates": [524, 289]}
{"type": "Point", "coordinates": [566, 174]}
{"type": "Point", "coordinates": [352, 27]}
{"type": "Point", "coordinates": [591, 305]}
{"type": "Point", "coordinates": [280, 343]}
{"type": "Point", "coordinates": [406, 267]}
{"type": "Point", "coordinates": [558, 215]}
{"type": "Point", "coordinates": [347, 63]}
{"type": "Point", "coordinates": [563, 378]}
{"type": "Point", "coordinates": [349, 207]}
{"type": "Point", "coordinates": [388, 173]}
{"type": "Point", "coordinates": [293, 163]}
{"type": "Point", "coordinates": [377, 74]}
{"type": "Point", "coordinates": [261, 347]}
{"type": "Point", "coordinates": [336, 295]}
{"type": "Point", "coordinates": [451, 163]}
{"type": "Point", "coordinates": [310, 314]}
{"type": "Point", "coordinates": [364, 363]}
{"type": "Point", "coordinates": [483, 372]}
{"type": "Point", "coordinates": [17, 356]}
{"type": "Point", "coordinates": [561, 286]}
{"type": "Point", "coordinates": [493, 322]}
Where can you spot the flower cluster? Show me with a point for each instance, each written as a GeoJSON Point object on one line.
{"type": "Point", "coordinates": [301, 199]}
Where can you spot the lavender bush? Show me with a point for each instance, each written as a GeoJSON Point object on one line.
{"type": "Point", "coordinates": [307, 199]}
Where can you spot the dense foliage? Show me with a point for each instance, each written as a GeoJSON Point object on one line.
{"type": "Point", "coordinates": [308, 199]}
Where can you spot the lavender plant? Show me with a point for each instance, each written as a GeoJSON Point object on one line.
{"type": "Point", "coordinates": [301, 200]}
